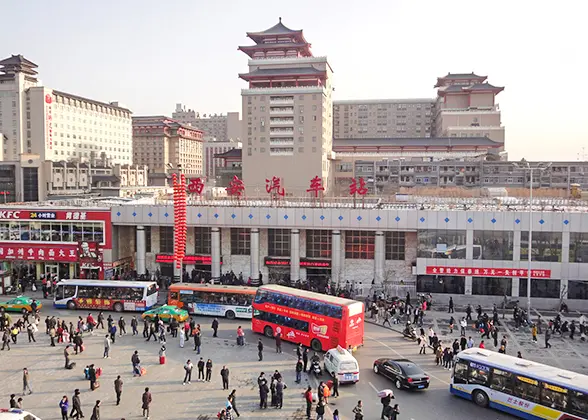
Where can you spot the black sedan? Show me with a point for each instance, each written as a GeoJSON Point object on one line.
{"type": "Point", "coordinates": [403, 372]}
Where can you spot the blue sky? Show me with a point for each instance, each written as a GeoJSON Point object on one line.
{"type": "Point", "coordinates": [151, 54]}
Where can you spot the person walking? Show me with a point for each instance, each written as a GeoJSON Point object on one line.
{"type": "Point", "coordinates": [76, 411]}
{"type": "Point", "coordinates": [201, 369]}
{"type": "Point", "coordinates": [335, 385]}
{"type": "Point", "coordinates": [31, 330]}
{"type": "Point", "coordinates": [12, 401]}
{"type": "Point", "coordinates": [135, 325]}
{"type": "Point", "coordinates": [136, 362]}
{"type": "Point", "coordinates": [451, 305]}
{"type": "Point", "coordinates": [214, 327]}
{"type": "Point", "coordinates": [100, 320]}
{"type": "Point", "coordinates": [358, 411]}
{"type": "Point", "coordinates": [320, 410]}
{"type": "Point", "coordinates": [225, 376]}
{"type": "Point", "coordinates": [118, 388]}
{"type": "Point", "coordinates": [385, 401]}
{"type": "Point", "coordinates": [182, 337]}
{"type": "Point", "coordinates": [233, 400]}
{"type": "Point", "coordinates": [305, 359]}
{"type": "Point", "coordinates": [240, 336]}
{"type": "Point", "coordinates": [260, 349]}
{"type": "Point", "coordinates": [197, 342]}
{"type": "Point", "coordinates": [547, 338]}
{"type": "Point", "coordinates": [534, 333]}
{"type": "Point", "coordinates": [208, 370]}
{"type": "Point", "coordinates": [121, 326]}
{"type": "Point", "coordinates": [298, 371]}
{"type": "Point", "coordinates": [278, 342]}
{"type": "Point", "coordinates": [107, 347]}
{"type": "Point", "coordinates": [431, 335]}
{"type": "Point", "coordinates": [423, 345]}
{"type": "Point", "coordinates": [26, 383]}
{"type": "Point", "coordinates": [64, 407]}
{"type": "Point", "coordinates": [96, 411]}
{"type": "Point", "coordinates": [52, 335]}
{"type": "Point", "coordinates": [280, 387]}
{"type": "Point", "coordinates": [146, 399]}
{"type": "Point", "coordinates": [188, 367]}
{"type": "Point", "coordinates": [112, 331]}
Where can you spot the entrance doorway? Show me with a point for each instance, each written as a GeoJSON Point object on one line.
{"type": "Point", "coordinates": [52, 270]}
{"type": "Point", "coordinates": [318, 279]}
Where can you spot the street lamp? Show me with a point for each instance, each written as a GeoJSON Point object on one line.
{"type": "Point", "coordinates": [538, 167]}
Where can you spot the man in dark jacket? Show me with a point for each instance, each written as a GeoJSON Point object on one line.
{"type": "Point", "coordinates": [298, 371]}
{"type": "Point", "coordinates": [260, 349]}
{"type": "Point", "coordinates": [76, 404]}
{"type": "Point", "coordinates": [385, 404]}
{"type": "Point", "coordinates": [146, 402]}
{"type": "Point", "coordinates": [305, 359]}
{"type": "Point", "coordinates": [225, 376]}
{"type": "Point", "coordinates": [118, 387]}
{"type": "Point", "coordinates": [263, 390]}
{"type": "Point", "coordinates": [335, 392]}
{"type": "Point", "coordinates": [201, 369]}
{"type": "Point", "coordinates": [280, 386]}
{"type": "Point", "coordinates": [197, 342]}
{"type": "Point", "coordinates": [96, 411]}
{"type": "Point", "coordinates": [215, 327]}
{"type": "Point", "coordinates": [278, 343]}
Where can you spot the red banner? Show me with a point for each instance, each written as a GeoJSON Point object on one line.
{"type": "Point", "coordinates": [487, 272]}
{"type": "Point", "coordinates": [304, 262]}
{"type": "Point", "coordinates": [188, 259]}
{"type": "Point", "coordinates": [60, 253]}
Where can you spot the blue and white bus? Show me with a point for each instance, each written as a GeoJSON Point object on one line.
{"type": "Point", "coordinates": [106, 295]}
{"type": "Point", "coordinates": [520, 387]}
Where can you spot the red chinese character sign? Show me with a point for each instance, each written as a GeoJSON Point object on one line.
{"type": "Point", "coordinates": [180, 223]}
{"type": "Point", "coordinates": [274, 187]}
{"type": "Point", "coordinates": [355, 189]}
{"type": "Point", "coordinates": [236, 187]}
{"type": "Point", "coordinates": [196, 186]}
{"type": "Point", "coordinates": [316, 186]}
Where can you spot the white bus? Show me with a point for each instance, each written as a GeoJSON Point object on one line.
{"type": "Point", "coordinates": [519, 387]}
{"type": "Point", "coordinates": [106, 295]}
{"type": "Point", "coordinates": [209, 299]}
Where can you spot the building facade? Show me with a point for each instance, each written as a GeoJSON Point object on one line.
{"type": "Point", "coordinates": [165, 145]}
{"type": "Point", "coordinates": [466, 107]}
{"type": "Point", "coordinates": [216, 127]}
{"type": "Point", "coordinates": [386, 118]}
{"type": "Point", "coordinates": [56, 125]}
{"type": "Point", "coordinates": [213, 148]}
{"type": "Point", "coordinates": [287, 112]}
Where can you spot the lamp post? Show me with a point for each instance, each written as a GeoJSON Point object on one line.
{"type": "Point", "coordinates": [539, 167]}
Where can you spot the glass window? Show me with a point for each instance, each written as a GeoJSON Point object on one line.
{"type": "Point", "coordinates": [69, 291]}
{"type": "Point", "coordinates": [202, 239]}
{"type": "Point", "coordinates": [14, 231]}
{"type": "Point", "coordinates": [278, 242]}
{"type": "Point", "coordinates": [395, 245]}
{"type": "Point", "coordinates": [460, 375]}
{"type": "Point", "coordinates": [494, 245]}
{"type": "Point", "coordinates": [578, 289]}
{"type": "Point", "coordinates": [441, 243]}
{"type": "Point", "coordinates": [308, 305]}
{"type": "Point", "coordinates": [360, 244]}
{"type": "Point", "coordinates": [77, 232]}
{"type": "Point", "coordinates": [578, 403]}
{"type": "Point", "coordinates": [87, 232]}
{"type": "Point", "coordinates": [318, 243]}
{"type": "Point", "coordinates": [240, 241]}
{"type": "Point", "coordinates": [441, 284]}
{"type": "Point", "coordinates": [546, 246]}
{"type": "Point", "coordinates": [545, 288]}
{"type": "Point", "coordinates": [99, 234]}
{"type": "Point", "coordinates": [35, 231]}
{"type": "Point", "coordinates": [502, 381]}
{"type": "Point", "coordinates": [281, 320]}
{"type": "Point", "coordinates": [4, 232]}
{"type": "Point", "coordinates": [478, 374]}
{"type": "Point", "coordinates": [166, 239]}
{"type": "Point", "coordinates": [25, 232]}
{"type": "Point", "coordinates": [578, 247]}
{"type": "Point", "coordinates": [494, 286]}
{"type": "Point", "coordinates": [65, 231]}
{"type": "Point", "coordinates": [527, 389]}
{"type": "Point", "coordinates": [554, 397]}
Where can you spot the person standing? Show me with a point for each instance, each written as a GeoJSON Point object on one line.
{"type": "Point", "coordinates": [214, 327]}
{"type": "Point", "coordinates": [298, 371]}
{"type": "Point", "coordinates": [145, 328]}
{"type": "Point", "coordinates": [385, 401]}
{"type": "Point", "coordinates": [423, 345]}
{"type": "Point", "coordinates": [305, 359]}
{"type": "Point", "coordinates": [26, 383]}
{"type": "Point", "coordinates": [263, 390]}
{"type": "Point", "coordinates": [547, 338]}
{"type": "Point", "coordinates": [335, 384]}
{"type": "Point", "coordinates": [136, 362]}
{"type": "Point", "coordinates": [107, 347]}
{"type": "Point", "coordinates": [240, 336]}
{"type": "Point", "coordinates": [504, 342]}
{"type": "Point", "coordinates": [431, 335]}
{"type": "Point", "coordinates": [394, 412]}
{"type": "Point", "coordinates": [201, 369]}
{"type": "Point", "coordinates": [358, 411]}
{"type": "Point", "coordinates": [534, 333]}
{"type": "Point", "coordinates": [182, 337]}
{"type": "Point", "coordinates": [31, 329]}
{"type": "Point", "coordinates": [188, 367]}
{"type": "Point", "coordinates": [260, 349]}
{"type": "Point", "coordinates": [233, 400]}
{"type": "Point", "coordinates": [225, 377]}
{"type": "Point", "coordinates": [64, 407]}
{"type": "Point", "coordinates": [52, 334]}
{"type": "Point", "coordinates": [197, 342]}
{"type": "Point", "coordinates": [6, 340]}
{"type": "Point", "coordinates": [208, 370]}
{"type": "Point", "coordinates": [76, 411]}
{"type": "Point", "coordinates": [308, 399]}
{"type": "Point", "coordinates": [451, 305]}
{"type": "Point", "coordinates": [118, 387]}
{"type": "Point", "coordinates": [121, 326]}
{"type": "Point", "coordinates": [278, 342]}
{"type": "Point", "coordinates": [280, 387]}
{"type": "Point", "coordinates": [146, 399]}
{"type": "Point", "coordinates": [320, 411]}
{"type": "Point", "coordinates": [100, 320]}
{"type": "Point", "coordinates": [134, 325]}
{"type": "Point", "coordinates": [96, 411]}
{"type": "Point", "coordinates": [12, 401]}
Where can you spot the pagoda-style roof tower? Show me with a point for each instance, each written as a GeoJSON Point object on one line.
{"type": "Point", "coordinates": [459, 79]}
{"type": "Point", "coordinates": [465, 83]}
{"type": "Point", "coordinates": [17, 64]}
{"type": "Point", "coordinates": [277, 41]}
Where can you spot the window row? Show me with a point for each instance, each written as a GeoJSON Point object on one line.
{"type": "Point", "coordinates": [52, 231]}
{"type": "Point", "coordinates": [295, 302]}
{"type": "Point", "coordinates": [189, 296]}
{"type": "Point", "coordinates": [281, 320]}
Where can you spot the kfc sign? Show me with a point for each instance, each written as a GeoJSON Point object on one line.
{"type": "Point", "coordinates": [4, 214]}
{"type": "Point", "coordinates": [487, 272]}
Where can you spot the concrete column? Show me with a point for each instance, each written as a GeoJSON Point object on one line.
{"type": "Point", "coordinates": [379, 257]}
{"type": "Point", "coordinates": [565, 247]}
{"type": "Point", "coordinates": [254, 256]}
{"type": "Point", "coordinates": [515, 287]}
{"type": "Point", "coordinates": [469, 244]}
{"type": "Point", "coordinates": [468, 285]}
{"type": "Point", "coordinates": [336, 256]}
{"type": "Point", "coordinates": [141, 250]}
{"type": "Point", "coordinates": [178, 274]}
{"type": "Point", "coordinates": [215, 253]}
{"type": "Point", "coordinates": [294, 255]}
{"type": "Point", "coordinates": [516, 248]}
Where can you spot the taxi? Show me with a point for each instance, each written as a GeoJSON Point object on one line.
{"type": "Point", "coordinates": [166, 313]}
{"type": "Point", "coordinates": [20, 304]}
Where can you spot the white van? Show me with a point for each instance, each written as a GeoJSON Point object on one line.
{"type": "Point", "coordinates": [340, 362]}
{"type": "Point", "coordinates": [16, 414]}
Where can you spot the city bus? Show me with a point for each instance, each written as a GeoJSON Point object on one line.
{"type": "Point", "coordinates": [208, 299]}
{"type": "Point", "coordinates": [315, 320]}
{"type": "Point", "coordinates": [106, 295]}
{"type": "Point", "coordinates": [519, 387]}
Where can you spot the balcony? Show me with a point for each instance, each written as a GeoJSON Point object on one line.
{"type": "Point", "coordinates": [282, 121]}
{"type": "Point", "coordinates": [281, 100]}
{"type": "Point", "coordinates": [282, 131]}
{"type": "Point", "coordinates": [281, 151]}
{"type": "Point", "coordinates": [287, 141]}
{"type": "Point", "coordinates": [287, 110]}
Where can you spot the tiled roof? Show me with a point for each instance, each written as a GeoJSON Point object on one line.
{"type": "Point", "coordinates": [17, 60]}
{"type": "Point", "coordinates": [303, 71]}
{"type": "Point", "coordinates": [233, 153]}
{"type": "Point", "coordinates": [277, 29]}
{"type": "Point", "coordinates": [417, 141]}
{"type": "Point", "coordinates": [462, 76]}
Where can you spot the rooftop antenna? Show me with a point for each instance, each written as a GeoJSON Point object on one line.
{"type": "Point", "coordinates": [280, 19]}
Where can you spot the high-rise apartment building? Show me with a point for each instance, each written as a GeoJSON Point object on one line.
{"type": "Point", "coordinates": [287, 112]}
{"type": "Point", "coordinates": [383, 118]}
{"type": "Point", "coordinates": [165, 145]}
{"type": "Point", "coordinates": [56, 125]}
{"type": "Point", "coordinates": [466, 107]}
{"type": "Point", "coordinates": [216, 127]}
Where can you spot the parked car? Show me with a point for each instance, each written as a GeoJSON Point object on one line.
{"type": "Point", "coordinates": [402, 372]}
{"type": "Point", "coordinates": [20, 304]}
{"type": "Point", "coordinates": [166, 313]}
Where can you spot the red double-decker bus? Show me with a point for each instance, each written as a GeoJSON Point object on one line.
{"type": "Point", "coordinates": [318, 321]}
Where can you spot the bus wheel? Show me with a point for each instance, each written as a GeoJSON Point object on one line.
{"type": "Point", "coordinates": [316, 345]}
{"type": "Point", "coordinates": [118, 307]}
{"type": "Point", "coordinates": [268, 332]}
{"type": "Point", "coordinates": [71, 304]}
{"type": "Point", "coordinates": [480, 398]}
{"type": "Point", "coordinates": [230, 315]}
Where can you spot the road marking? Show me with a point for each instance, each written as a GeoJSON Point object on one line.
{"type": "Point", "coordinates": [400, 355]}
{"type": "Point", "coordinates": [373, 387]}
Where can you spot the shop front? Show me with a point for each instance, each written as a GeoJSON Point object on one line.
{"type": "Point", "coordinates": [318, 271]}
{"type": "Point", "coordinates": [201, 264]}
